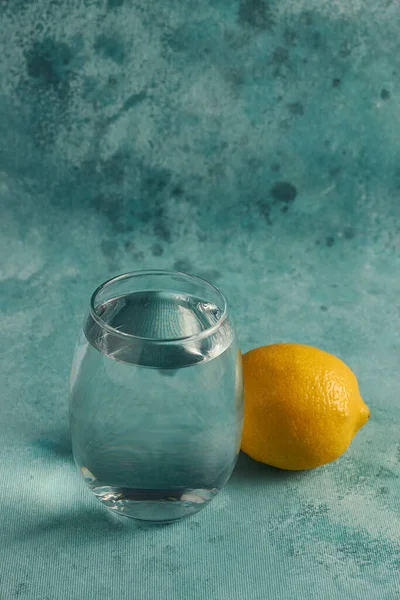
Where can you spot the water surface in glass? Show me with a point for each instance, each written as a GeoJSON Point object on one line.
{"type": "Point", "coordinates": [156, 396]}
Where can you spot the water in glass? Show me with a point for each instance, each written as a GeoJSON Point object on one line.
{"type": "Point", "coordinates": [156, 403]}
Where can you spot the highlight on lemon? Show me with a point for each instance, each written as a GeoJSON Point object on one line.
{"type": "Point", "coordinates": [302, 406]}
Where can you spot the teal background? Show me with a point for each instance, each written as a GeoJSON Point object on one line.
{"type": "Point", "coordinates": [255, 143]}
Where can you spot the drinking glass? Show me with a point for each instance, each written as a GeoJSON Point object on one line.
{"type": "Point", "coordinates": [156, 403]}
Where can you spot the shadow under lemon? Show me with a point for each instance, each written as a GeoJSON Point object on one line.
{"type": "Point", "coordinates": [248, 471]}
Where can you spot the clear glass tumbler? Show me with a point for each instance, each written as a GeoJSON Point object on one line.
{"type": "Point", "coordinates": [156, 403]}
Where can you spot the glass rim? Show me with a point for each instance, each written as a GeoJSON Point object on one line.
{"type": "Point", "coordinates": [157, 272]}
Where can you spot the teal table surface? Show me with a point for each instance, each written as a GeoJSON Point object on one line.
{"type": "Point", "coordinates": [252, 142]}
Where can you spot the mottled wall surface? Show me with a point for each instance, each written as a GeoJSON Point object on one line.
{"type": "Point", "coordinates": [252, 142]}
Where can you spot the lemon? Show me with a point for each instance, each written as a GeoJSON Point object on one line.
{"type": "Point", "coordinates": [302, 406]}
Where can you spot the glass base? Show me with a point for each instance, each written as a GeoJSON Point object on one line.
{"type": "Point", "coordinates": [156, 506]}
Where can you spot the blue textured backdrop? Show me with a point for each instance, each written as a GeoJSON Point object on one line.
{"type": "Point", "coordinates": [252, 142]}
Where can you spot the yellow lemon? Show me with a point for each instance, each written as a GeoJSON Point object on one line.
{"type": "Point", "coordinates": [302, 406]}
